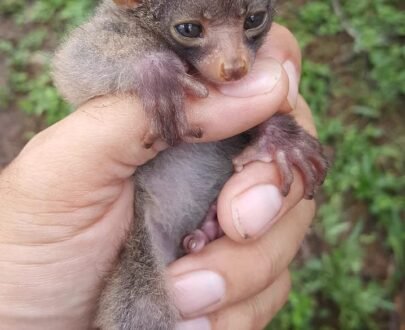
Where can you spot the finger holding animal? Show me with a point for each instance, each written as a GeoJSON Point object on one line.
{"type": "Point", "coordinates": [203, 284]}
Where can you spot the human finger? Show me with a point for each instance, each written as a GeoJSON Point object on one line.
{"type": "Point", "coordinates": [251, 202]}
{"type": "Point", "coordinates": [226, 272]}
{"type": "Point", "coordinates": [250, 314]}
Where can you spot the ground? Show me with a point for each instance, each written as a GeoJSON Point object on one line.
{"type": "Point", "coordinates": [13, 126]}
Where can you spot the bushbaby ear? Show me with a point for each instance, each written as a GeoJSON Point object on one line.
{"type": "Point", "coordinates": [128, 3]}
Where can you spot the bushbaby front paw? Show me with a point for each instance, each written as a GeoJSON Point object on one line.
{"type": "Point", "coordinates": [163, 88]}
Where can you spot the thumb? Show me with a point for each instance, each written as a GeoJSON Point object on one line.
{"type": "Point", "coordinates": [250, 202]}
{"type": "Point", "coordinates": [96, 146]}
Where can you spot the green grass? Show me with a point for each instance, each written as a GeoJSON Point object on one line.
{"type": "Point", "coordinates": [354, 80]}
{"type": "Point", "coordinates": [28, 57]}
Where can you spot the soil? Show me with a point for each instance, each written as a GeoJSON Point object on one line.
{"type": "Point", "coordinates": [15, 130]}
{"type": "Point", "coordinates": [14, 125]}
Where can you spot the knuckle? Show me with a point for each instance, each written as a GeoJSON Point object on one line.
{"type": "Point", "coordinates": [288, 35]}
{"type": "Point", "coordinates": [286, 32]}
{"type": "Point", "coordinates": [294, 42]}
{"type": "Point", "coordinates": [311, 205]}
{"type": "Point", "coordinates": [217, 322]}
{"type": "Point", "coordinates": [259, 314]}
{"type": "Point", "coordinates": [285, 284]}
{"type": "Point", "coordinates": [288, 283]}
{"type": "Point", "coordinates": [267, 261]}
{"type": "Point", "coordinates": [253, 314]}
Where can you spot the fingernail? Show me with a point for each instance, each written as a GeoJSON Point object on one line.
{"type": "Point", "coordinates": [196, 324]}
{"type": "Point", "coordinates": [195, 292]}
{"type": "Point", "coordinates": [263, 77]}
{"type": "Point", "coordinates": [293, 77]}
{"type": "Point", "coordinates": [254, 210]}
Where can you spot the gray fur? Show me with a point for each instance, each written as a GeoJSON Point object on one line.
{"type": "Point", "coordinates": [172, 198]}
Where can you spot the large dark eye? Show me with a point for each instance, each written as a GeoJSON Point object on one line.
{"type": "Point", "coordinates": [255, 20]}
{"type": "Point", "coordinates": [190, 30]}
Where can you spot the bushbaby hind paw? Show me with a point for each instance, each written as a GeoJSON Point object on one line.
{"type": "Point", "coordinates": [283, 141]}
{"type": "Point", "coordinates": [311, 164]}
{"type": "Point", "coordinates": [252, 153]}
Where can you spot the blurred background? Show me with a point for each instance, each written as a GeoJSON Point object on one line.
{"type": "Point", "coordinates": [350, 273]}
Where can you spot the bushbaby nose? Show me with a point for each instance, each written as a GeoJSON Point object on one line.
{"type": "Point", "coordinates": [234, 70]}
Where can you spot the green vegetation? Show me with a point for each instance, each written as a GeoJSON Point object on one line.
{"type": "Point", "coordinates": [354, 79]}
{"type": "Point", "coordinates": [350, 271]}
{"type": "Point", "coordinates": [38, 27]}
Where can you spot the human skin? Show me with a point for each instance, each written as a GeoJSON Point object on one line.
{"type": "Point", "coordinates": [66, 203]}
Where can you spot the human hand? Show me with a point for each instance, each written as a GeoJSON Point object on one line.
{"type": "Point", "coordinates": [66, 201]}
{"type": "Point", "coordinates": [242, 286]}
